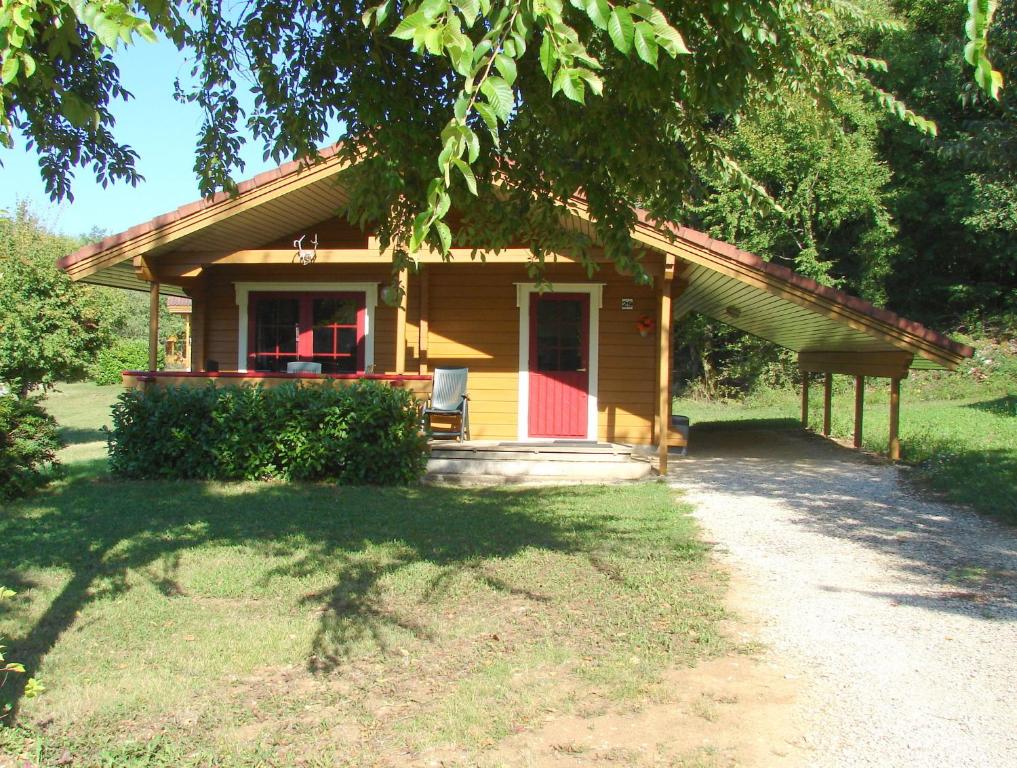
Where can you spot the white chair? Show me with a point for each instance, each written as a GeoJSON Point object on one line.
{"type": "Point", "coordinates": [449, 401]}
{"type": "Point", "coordinates": [302, 366]}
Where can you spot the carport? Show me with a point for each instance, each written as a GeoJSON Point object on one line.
{"type": "Point", "coordinates": [832, 331]}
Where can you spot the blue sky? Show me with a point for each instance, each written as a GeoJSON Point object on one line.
{"type": "Point", "coordinates": [159, 129]}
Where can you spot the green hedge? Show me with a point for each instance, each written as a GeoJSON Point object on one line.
{"type": "Point", "coordinates": [363, 434]}
{"type": "Point", "coordinates": [124, 355]}
{"type": "Point", "coordinates": [28, 445]}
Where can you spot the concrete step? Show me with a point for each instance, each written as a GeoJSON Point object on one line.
{"type": "Point", "coordinates": [523, 470]}
{"type": "Point", "coordinates": [559, 450]}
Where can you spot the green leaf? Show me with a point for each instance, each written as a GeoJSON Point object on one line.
{"type": "Point", "coordinates": [646, 43]}
{"type": "Point", "coordinates": [445, 235]}
{"type": "Point", "coordinates": [433, 40]}
{"type": "Point", "coordinates": [670, 40]}
{"type": "Point", "coordinates": [432, 9]}
{"type": "Point", "coordinates": [470, 9]}
{"type": "Point", "coordinates": [420, 227]}
{"type": "Point", "coordinates": [548, 57]}
{"type": "Point", "coordinates": [472, 144]}
{"type": "Point", "coordinates": [146, 32]}
{"type": "Point", "coordinates": [408, 27]}
{"type": "Point", "coordinates": [489, 118]}
{"type": "Point", "coordinates": [506, 66]}
{"type": "Point", "coordinates": [467, 172]}
{"type": "Point", "coordinates": [28, 64]}
{"type": "Point", "coordinates": [621, 29]}
{"type": "Point", "coordinates": [22, 16]}
{"type": "Point", "coordinates": [572, 86]}
{"type": "Point", "coordinates": [499, 93]}
{"type": "Point", "coordinates": [10, 69]}
{"type": "Point", "coordinates": [77, 112]}
{"type": "Point", "coordinates": [593, 80]}
{"type": "Point", "coordinates": [599, 12]}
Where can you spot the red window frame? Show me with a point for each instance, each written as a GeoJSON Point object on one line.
{"type": "Point", "coordinates": [305, 332]}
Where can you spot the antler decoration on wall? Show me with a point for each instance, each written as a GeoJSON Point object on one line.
{"type": "Point", "coordinates": [306, 255]}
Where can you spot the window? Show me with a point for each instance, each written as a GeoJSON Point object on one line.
{"type": "Point", "coordinates": [559, 333]}
{"type": "Point", "coordinates": [326, 328]}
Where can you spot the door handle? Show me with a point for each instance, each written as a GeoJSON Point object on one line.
{"type": "Point", "coordinates": [580, 370]}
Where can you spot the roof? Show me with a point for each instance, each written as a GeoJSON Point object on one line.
{"type": "Point", "coordinates": [720, 280]}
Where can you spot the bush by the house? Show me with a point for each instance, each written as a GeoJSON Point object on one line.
{"type": "Point", "coordinates": [123, 355]}
{"type": "Point", "coordinates": [28, 445]}
{"type": "Point", "coordinates": [363, 434]}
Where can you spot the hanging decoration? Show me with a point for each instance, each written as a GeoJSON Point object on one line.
{"type": "Point", "coordinates": [645, 325]}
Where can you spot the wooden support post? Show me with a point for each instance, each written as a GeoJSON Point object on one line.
{"type": "Point", "coordinates": [187, 339]}
{"type": "Point", "coordinates": [424, 325]}
{"type": "Point", "coordinates": [894, 447]}
{"type": "Point", "coordinates": [153, 325]}
{"type": "Point", "coordinates": [400, 352]}
{"type": "Point", "coordinates": [805, 399]}
{"type": "Point", "coordinates": [664, 376]}
{"type": "Point", "coordinates": [827, 402]}
{"type": "Point", "coordinates": [859, 408]}
{"type": "Point", "coordinates": [198, 313]}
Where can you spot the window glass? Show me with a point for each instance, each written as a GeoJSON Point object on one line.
{"type": "Point", "coordinates": [559, 335]}
{"type": "Point", "coordinates": [315, 328]}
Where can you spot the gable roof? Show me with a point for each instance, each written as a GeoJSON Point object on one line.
{"type": "Point", "coordinates": [721, 281]}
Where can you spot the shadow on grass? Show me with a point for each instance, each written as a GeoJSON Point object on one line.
{"type": "Point", "coordinates": [745, 424]}
{"type": "Point", "coordinates": [100, 530]}
{"type": "Point", "coordinates": [79, 435]}
{"type": "Point", "coordinates": [1001, 406]}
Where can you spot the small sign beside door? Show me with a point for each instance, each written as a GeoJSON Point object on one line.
{"type": "Point", "coordinates": [628, 304]}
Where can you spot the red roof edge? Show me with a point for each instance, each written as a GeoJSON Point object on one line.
{"type": "Point", "coordinates": [294, 166]}
{"type": "Point", "coordinates": [781, 272]}
{"type": "Point", "coordinates": [692, 236]}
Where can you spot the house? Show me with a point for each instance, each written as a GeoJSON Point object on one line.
{"type": "Point", "coordinates": [589, 359]}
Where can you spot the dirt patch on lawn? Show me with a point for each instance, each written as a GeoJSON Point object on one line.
{"type": "Point", "coordinates": [731, 711]}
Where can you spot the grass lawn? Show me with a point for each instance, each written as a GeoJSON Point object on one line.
{"type": "Point", "coordinates": [965, 448]}
{"type": "Point", "coordinates": [270, 624]}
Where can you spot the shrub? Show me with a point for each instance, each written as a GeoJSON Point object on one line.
{"type": "Point", "coordinates": [363, 434]}
{"type": "Point", "coordinates": [124, 355]}
{"type": "Point", "coordinates": [28, 445]}
{"type": "Point", "coordinates": [32, 687]}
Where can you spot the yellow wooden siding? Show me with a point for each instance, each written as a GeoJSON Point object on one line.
{"type": "Point", "coordinates": [474, 322]}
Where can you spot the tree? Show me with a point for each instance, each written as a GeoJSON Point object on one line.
{"type": "Point", "coordinates": [50, 328]}
{"type": "Point", "coordinates": [506, 108]}
{"type": "Point", "coordinates": [954, 199]}
{"type": "Point", "coordinates": [832, 225]}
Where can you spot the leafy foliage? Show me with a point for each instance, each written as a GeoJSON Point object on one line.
{"type": "Point", "coordinates": [123, 355]}
{"type": "Point", "coordinates": [506, 108]}
{"type": "Point", "coordinates": [363, 434]}
{"type": "Point", "coordinates": [28, 446]}
{"type": "Point", "coordinates": [50, 328]}
{"type": "Point", "coordinates": [953, 200]}
{"type": "Point", "coordinates": [32, 686]}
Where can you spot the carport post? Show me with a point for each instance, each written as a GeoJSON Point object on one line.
{"type": "Point", "coordinates": [827, 401]}
{"type": "Point", "coordinates": [859, 408]}
{"type": "Point", "coordinates": [805, 399]}
{"type": "Point", "coordinates": [894, 449]}
{"type": "Point", "coordinates": [664, 372]}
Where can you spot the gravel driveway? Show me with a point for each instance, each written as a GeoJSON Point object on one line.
{"type": "Point", "coordinates": [900, 610]}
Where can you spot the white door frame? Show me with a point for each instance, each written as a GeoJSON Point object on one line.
{"type": "Point", "coordinates": [370, 291]}
{"type": "Point", "coordinates": [523, 292]}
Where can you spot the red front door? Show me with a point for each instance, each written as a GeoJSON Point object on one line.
{"type": "Point", "coordinates": [559, 364]}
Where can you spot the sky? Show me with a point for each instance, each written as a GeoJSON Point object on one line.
{"type": "Point", "coordinates": [158, 128]}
